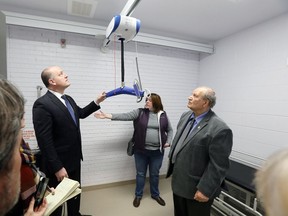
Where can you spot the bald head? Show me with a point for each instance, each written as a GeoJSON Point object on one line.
{"type": "Point", "coordinates": [47, 74]}
{"type": "Point", "coordinates": [54, 78]}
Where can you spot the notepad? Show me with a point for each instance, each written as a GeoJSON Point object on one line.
{"type": "Point", "coordinates": [64, 191]}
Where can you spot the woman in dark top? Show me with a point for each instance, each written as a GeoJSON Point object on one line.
{"type": "Point", "coordinates": [152, 133]}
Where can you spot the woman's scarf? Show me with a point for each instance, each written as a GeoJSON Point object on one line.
{"type": "Point", "coordinates": [29, 174]}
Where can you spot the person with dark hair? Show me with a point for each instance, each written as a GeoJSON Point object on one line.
{"type": "Point", "coordinates": [199, 155]}
{"type": "Point", "coordinates": [11, 122]}
{"type": "Point", "coordinates": [57, 129]}
{"type": "Point", "coordinates": [152, 133]}
{"type": "Point", "coordinates": [30, 177]}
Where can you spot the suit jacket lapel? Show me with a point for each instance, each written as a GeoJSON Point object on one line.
{"type": "Point", "coordinates": [180, 130]}
{"type": "Point", "coordinates": [198, 128]}
{"type": "Point", "coordinates": [56, 101]}
{"type": "Point", "coordinates": [59, 104]}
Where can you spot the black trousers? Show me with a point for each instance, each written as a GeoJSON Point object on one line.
{"type": "Point", "coordinates": [73, 205]}
{"type": "Point", "coordinates": [191, 207]}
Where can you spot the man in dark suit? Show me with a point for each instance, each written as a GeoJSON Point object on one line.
{"type": "Point", "coordinates": [199, 158]}
{"type": "Point", "coordinates": [57, 129]}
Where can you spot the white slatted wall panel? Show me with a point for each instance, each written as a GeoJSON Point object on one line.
{"type": "Point", "coordinates": [172, 73]}
{"type": "Point", "coordinates": [249, 71]}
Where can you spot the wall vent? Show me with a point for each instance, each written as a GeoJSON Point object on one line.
{"type": "Point", "coordinates": [84, 8]}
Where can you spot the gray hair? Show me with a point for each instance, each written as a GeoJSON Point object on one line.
{"type": "Point", "coordinates": [210, 95]}
{"type": "Point", "coordinates": [11, 114]}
